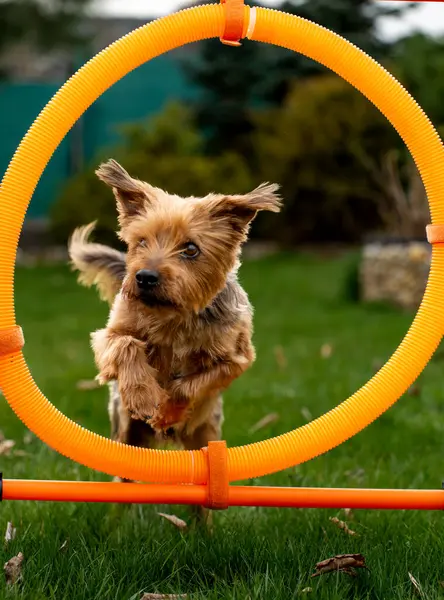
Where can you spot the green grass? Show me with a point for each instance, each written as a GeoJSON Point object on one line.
{"type": "Point", "coordinates": [116, 552]}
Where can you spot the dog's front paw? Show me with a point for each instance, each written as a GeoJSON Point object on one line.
{"type": "Point", "coordinates": [142, 401]}
{"type": "Point", "coordinates": [175, 410]}
{"type": "Point", "coordinates": [169, 414]}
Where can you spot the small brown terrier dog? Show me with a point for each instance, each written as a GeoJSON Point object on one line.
{"type": "Point", "coordinates": [179, 331]}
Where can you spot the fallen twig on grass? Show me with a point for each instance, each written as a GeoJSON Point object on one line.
{"type": "Point", "coordinates": [267, 420]}
{"type": "Point", "coordinates": [416, 586]}
{"type": "Point", "coordinates": [85, 385]}
{"type": "Point", "coordinates": [10, 532]}
{"type": "Point", "coordinates": [163, 596]}
{"type": "Point", "coordinates": [342, 525]}
{"type": "Point", "coordinates": [179, 523]}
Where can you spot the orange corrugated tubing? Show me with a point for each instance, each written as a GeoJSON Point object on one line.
{"type": "Point", "coordinates": [45, 135]}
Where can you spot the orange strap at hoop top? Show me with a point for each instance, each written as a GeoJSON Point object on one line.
{"type": "Point", "coordinates": [11, 340]}
{"type": "Point", "coordinates": [218, 481]}
{"type": "Point", "coordinates": [234, 22]}
{"type": "Point", "coordinates": [435, 234]}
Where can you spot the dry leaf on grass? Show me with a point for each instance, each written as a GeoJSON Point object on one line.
{"type": "Point", "coordinates": [10, 532]}
{"type": "Point", "coordinates": [416, 587]}
{"type": "Point", "coordinates": [280, 357]}
{"type": "Point", "coordinates": [342, 525]}
{"type": "Point", "coordinates": [28, 438]}
{"type": "Point", "coordinates": [344, 563]}
{"type": "Point", "coordinates": [357, 474]}
{"type": "Point", "coordinates": [414, 390]}
{"type": "Point", "coordinates": [87, 384]}
{"type": "Point", "coordinates": [13, 569]}
{"type": "Point", "coordinates": [5, 447]}
{"type": "Point", "coordinates": [326, 350]}
{"type": "Point", "coordinates": [64, 546]}
{"type": "Point", "coordinates": [179, 523]}
{"type": "Point", "coordinates": [305, 412]}
{"type": "Point", "coordinates": [267, 420]}
{"type": "Point", "coordinates": [163, 596]}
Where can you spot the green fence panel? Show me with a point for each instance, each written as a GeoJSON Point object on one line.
{"type": "Point", "coordinates": [140, 94]}
{"type": "Point", "coordinates": [20, 104]}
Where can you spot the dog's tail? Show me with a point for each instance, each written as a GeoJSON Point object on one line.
{"type": "Point", "coordinates": [98, 265]}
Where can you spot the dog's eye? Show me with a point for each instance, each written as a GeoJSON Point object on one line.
{"type": "Point", "coordinates": [190, 250]}
{"type": "Point", "coordinates": [142, 243]}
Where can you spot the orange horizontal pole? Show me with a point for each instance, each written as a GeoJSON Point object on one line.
{"type": "Point", "coordinates": [337, 498]}
{"type": "Point", "coordinates": [81, 491]}
{"type": "Point", "coordinates": [93, 491]}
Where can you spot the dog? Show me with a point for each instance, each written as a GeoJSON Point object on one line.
{"type": "Point", "coordinates": [180, 324]}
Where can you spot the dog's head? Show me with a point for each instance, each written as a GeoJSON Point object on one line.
{"type": "Point", "coordinates": [180, 250]}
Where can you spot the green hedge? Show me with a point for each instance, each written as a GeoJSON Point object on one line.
{"type": "Point", "coordinates": [168, 153]}
{"type": "Point", "coordinates": [325, 145]}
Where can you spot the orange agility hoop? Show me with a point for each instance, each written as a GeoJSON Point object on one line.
{"type": "Point", "coordinates": [324, 433]}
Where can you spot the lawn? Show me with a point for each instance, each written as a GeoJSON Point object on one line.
{"type": "Point", "coordinates": [117, 552]}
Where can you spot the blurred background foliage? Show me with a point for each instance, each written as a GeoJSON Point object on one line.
{"type": "Point", "coordinates": [265, 114]}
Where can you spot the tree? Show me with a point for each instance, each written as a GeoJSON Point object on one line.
{"type": "Point", "coordinates": [235, 80]}
{"type": "Point", "coordinates": [355, 20]}
{"type": "Point", "coordinates": [41, 25]}
{"type": "Point", "coordinates": [325, 147]}
{"type": "Point", "coordinates": [167, 151]}
{"type": "Point", "coordinates": [419, 64]}
{"type": "Point", "coordinates": [228, 80]}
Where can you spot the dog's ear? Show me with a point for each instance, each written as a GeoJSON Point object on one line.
{"type": "Point", "coordinates": [131, 194]}
{"type": "Point", "coordinates": [240, 210]}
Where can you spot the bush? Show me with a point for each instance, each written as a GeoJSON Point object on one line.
{"type": "Point", "coordinates": [324, 146]}
{"type": "Point", "coordinates": [418, 62]}
{"type": "Point", "coordinates": [352, 285]}
{"type": "Point", "coordinates": [167, 151]}
{"type": "Point", "coordinates": [403, 208]}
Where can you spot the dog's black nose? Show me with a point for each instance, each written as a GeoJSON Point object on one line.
{"type": "Point", "coordinates": [147, 279]}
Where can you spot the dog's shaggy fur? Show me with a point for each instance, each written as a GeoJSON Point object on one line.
{"type": "Point", "coordinates": [169, 351]}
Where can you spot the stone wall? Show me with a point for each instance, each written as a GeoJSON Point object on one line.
{"type": "Point", "coordinates": [395, 273]}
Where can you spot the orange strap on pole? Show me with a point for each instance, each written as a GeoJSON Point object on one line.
{"type": "Point", "coordinates": [234, 22]}
{"type": "Point", "coordinates": [435, 234]}
{"type": "Point", "coordinates": [11, 340]}
{"type": "Point", "coordinates": [218, 481]}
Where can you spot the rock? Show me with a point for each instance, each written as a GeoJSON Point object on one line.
{"type": "Point", "coordinates": [395, 273]}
